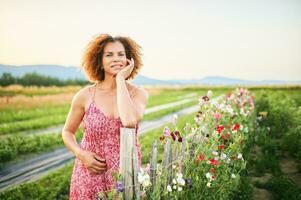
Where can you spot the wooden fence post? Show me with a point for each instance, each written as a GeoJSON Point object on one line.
{"type": "Point", "coordinates": [167, 161]}
{"type": "Point", "coordinates": [129, 166]}
{"type": "Point", "coordinates": [153, 165]}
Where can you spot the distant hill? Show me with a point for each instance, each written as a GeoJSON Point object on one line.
{"type": "Point", "coordinates": [57, 71]}
{"type": "Point", "coordinates": [72, 72]}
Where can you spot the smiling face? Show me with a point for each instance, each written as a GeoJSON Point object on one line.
{"type": "Point", "coordinates": [114, 58]}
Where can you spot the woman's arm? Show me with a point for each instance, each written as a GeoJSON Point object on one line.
{"type": "Point", "coordinates": [72, 123]}
{"type": "Point", "coordinates": [91, 160]}
{"type": "Point", "coordinates": [131, 110]}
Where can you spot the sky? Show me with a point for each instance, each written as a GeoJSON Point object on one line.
{"type": "Point", "coordinates": [191, 39]}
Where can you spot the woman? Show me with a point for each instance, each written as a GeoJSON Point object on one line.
{"type": "Point", "coordinates": [104, 107]}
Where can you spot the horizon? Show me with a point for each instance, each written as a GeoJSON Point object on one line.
{"type": "Point", "coordinates": [250, 40]}
{"type": "Point", "coordinates": [174, 79]}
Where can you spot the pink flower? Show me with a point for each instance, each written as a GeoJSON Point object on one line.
{"type": "Point", "coordinates": [166, 131]}
{"type": "Point", "coordinates": [217, 116]}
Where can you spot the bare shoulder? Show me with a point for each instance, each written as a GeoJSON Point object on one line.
{"type": "Point", "coordinates": [82, 96]}
{"type": "Point", "coordinates": [138, 91]}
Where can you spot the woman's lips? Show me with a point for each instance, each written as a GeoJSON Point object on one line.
{"type": "Point", "coordinates": [117, 66]}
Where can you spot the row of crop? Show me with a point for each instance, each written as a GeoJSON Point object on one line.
{"type": "Point", "coordinates": [32, 124]}
{"type": "Point", "coordinates": [17, 146]}
{"type": "Point", "coordinates": [277, 139]}
{"type": "Point", "coordinates": [12, 115]}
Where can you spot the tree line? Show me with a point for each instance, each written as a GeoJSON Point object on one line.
{"type": "Point", "coordinates": [35, 79]}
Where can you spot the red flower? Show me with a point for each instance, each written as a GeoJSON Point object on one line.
{"type": "Point", "coordinates": [177, 133]}
{"type": "Point", "coordinates": [212, 170]}
{"type": "Point", "coordinates": [201, 157]}
{"type": "Point", "coordinates": [205, 98]}
{"type": "Point", "coordinates": [226, 137]}
{"type": "Point", "coordinates": [214, 162]}
{"type": "Point", "coordinates": [220, 128]}
{"type": "Point", "coordinates": [221, 147]}
{"type": "Point", "coordinates": [162, 138]}
{"type": "Point", "coordinates": [180, 139]}
{"type": "Point", "coordinates": [236, 127]}
{"type": "Point", "coordinates": [199, 114]}
{"type": "Point", "coordinates": [228, 94]}
{"type": "Point", "coordinates": [173, 136]}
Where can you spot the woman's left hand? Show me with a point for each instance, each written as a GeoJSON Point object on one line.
{"type": "Point", "coordinates": [126, 71]}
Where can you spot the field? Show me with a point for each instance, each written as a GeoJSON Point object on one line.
{"type": "Point", "coordinates": [271, 148]}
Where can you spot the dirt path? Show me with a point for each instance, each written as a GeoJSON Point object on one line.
{"type": "Point", "coordinates": [289, 168]}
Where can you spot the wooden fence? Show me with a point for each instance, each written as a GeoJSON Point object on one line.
{"type": "Point", "coordinates": [129, 166]}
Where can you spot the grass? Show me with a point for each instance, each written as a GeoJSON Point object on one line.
{"type": "Point", "coordinates": [282, 188]}
{"type": "Point", "coordinates": [17, 147]}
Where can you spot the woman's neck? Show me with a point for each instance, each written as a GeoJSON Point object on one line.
{"type": "Point", "coordinates": [109, 83]}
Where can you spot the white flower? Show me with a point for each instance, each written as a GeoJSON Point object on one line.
{"type": "Point", "coordinates": [230, 111]}
{"type": "Point", "coordinates": [222, 106]}
{"type": "Point", "coordinates": [144, 178]}
{"type": "Point", "coordinates": [181, 182]}
{"type": "Point", "coordinates": [201, 102]}
{"type": "Point", "coordinates": [174, 187]}
{"type": "Point", "coordinates": [169, 188]}
{"type": "Point", "coordinates": [174, 181]}
{"type": "Point", "coordinates": [223, 156]}
{"type": "Point", "coordinates": [179, 175]}
{"type": "Point", "coordinates": [215, 153]}
{"type": "Point", "coordinates": [208, 175]}
{"type": "Point", "coordinates": [209, 184]}
{"type": "Point", "coordinates": [174, 166]}
{"type": "Point", "coordinates": [233, 176]}
{"type": "Point", "coordinates": [146, 183]}
{"type": "Point", "coordinates": [180, 189]}
{"type": "Point", "coordinates": [242, 112]}
{"type": "Point", "coordinates": [197, 120]}
{"type": "Point", "coordinates": [228, 161]}
{"type": "Point", "coordinates": [209, 93]}
{"type": "Point", "coordinates": [140, 178]}
{"type": "Point", "coordinates": [239, 156]}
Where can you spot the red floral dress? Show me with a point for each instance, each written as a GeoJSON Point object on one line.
{"type": "Point", "coordinates": [102, 136]}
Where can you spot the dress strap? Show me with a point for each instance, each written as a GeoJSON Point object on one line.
{"type": "Point", "coordinates": [94, 92]}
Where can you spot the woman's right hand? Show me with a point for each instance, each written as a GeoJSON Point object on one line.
{"type": "Point", "coordinates": [92, 161]}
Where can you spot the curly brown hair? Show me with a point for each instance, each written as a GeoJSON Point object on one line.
{"type": "Point", "coordinates": [92, 58]}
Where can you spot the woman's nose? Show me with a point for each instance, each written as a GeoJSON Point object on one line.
{"type": "Point", "coordinates": [115, 58]}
